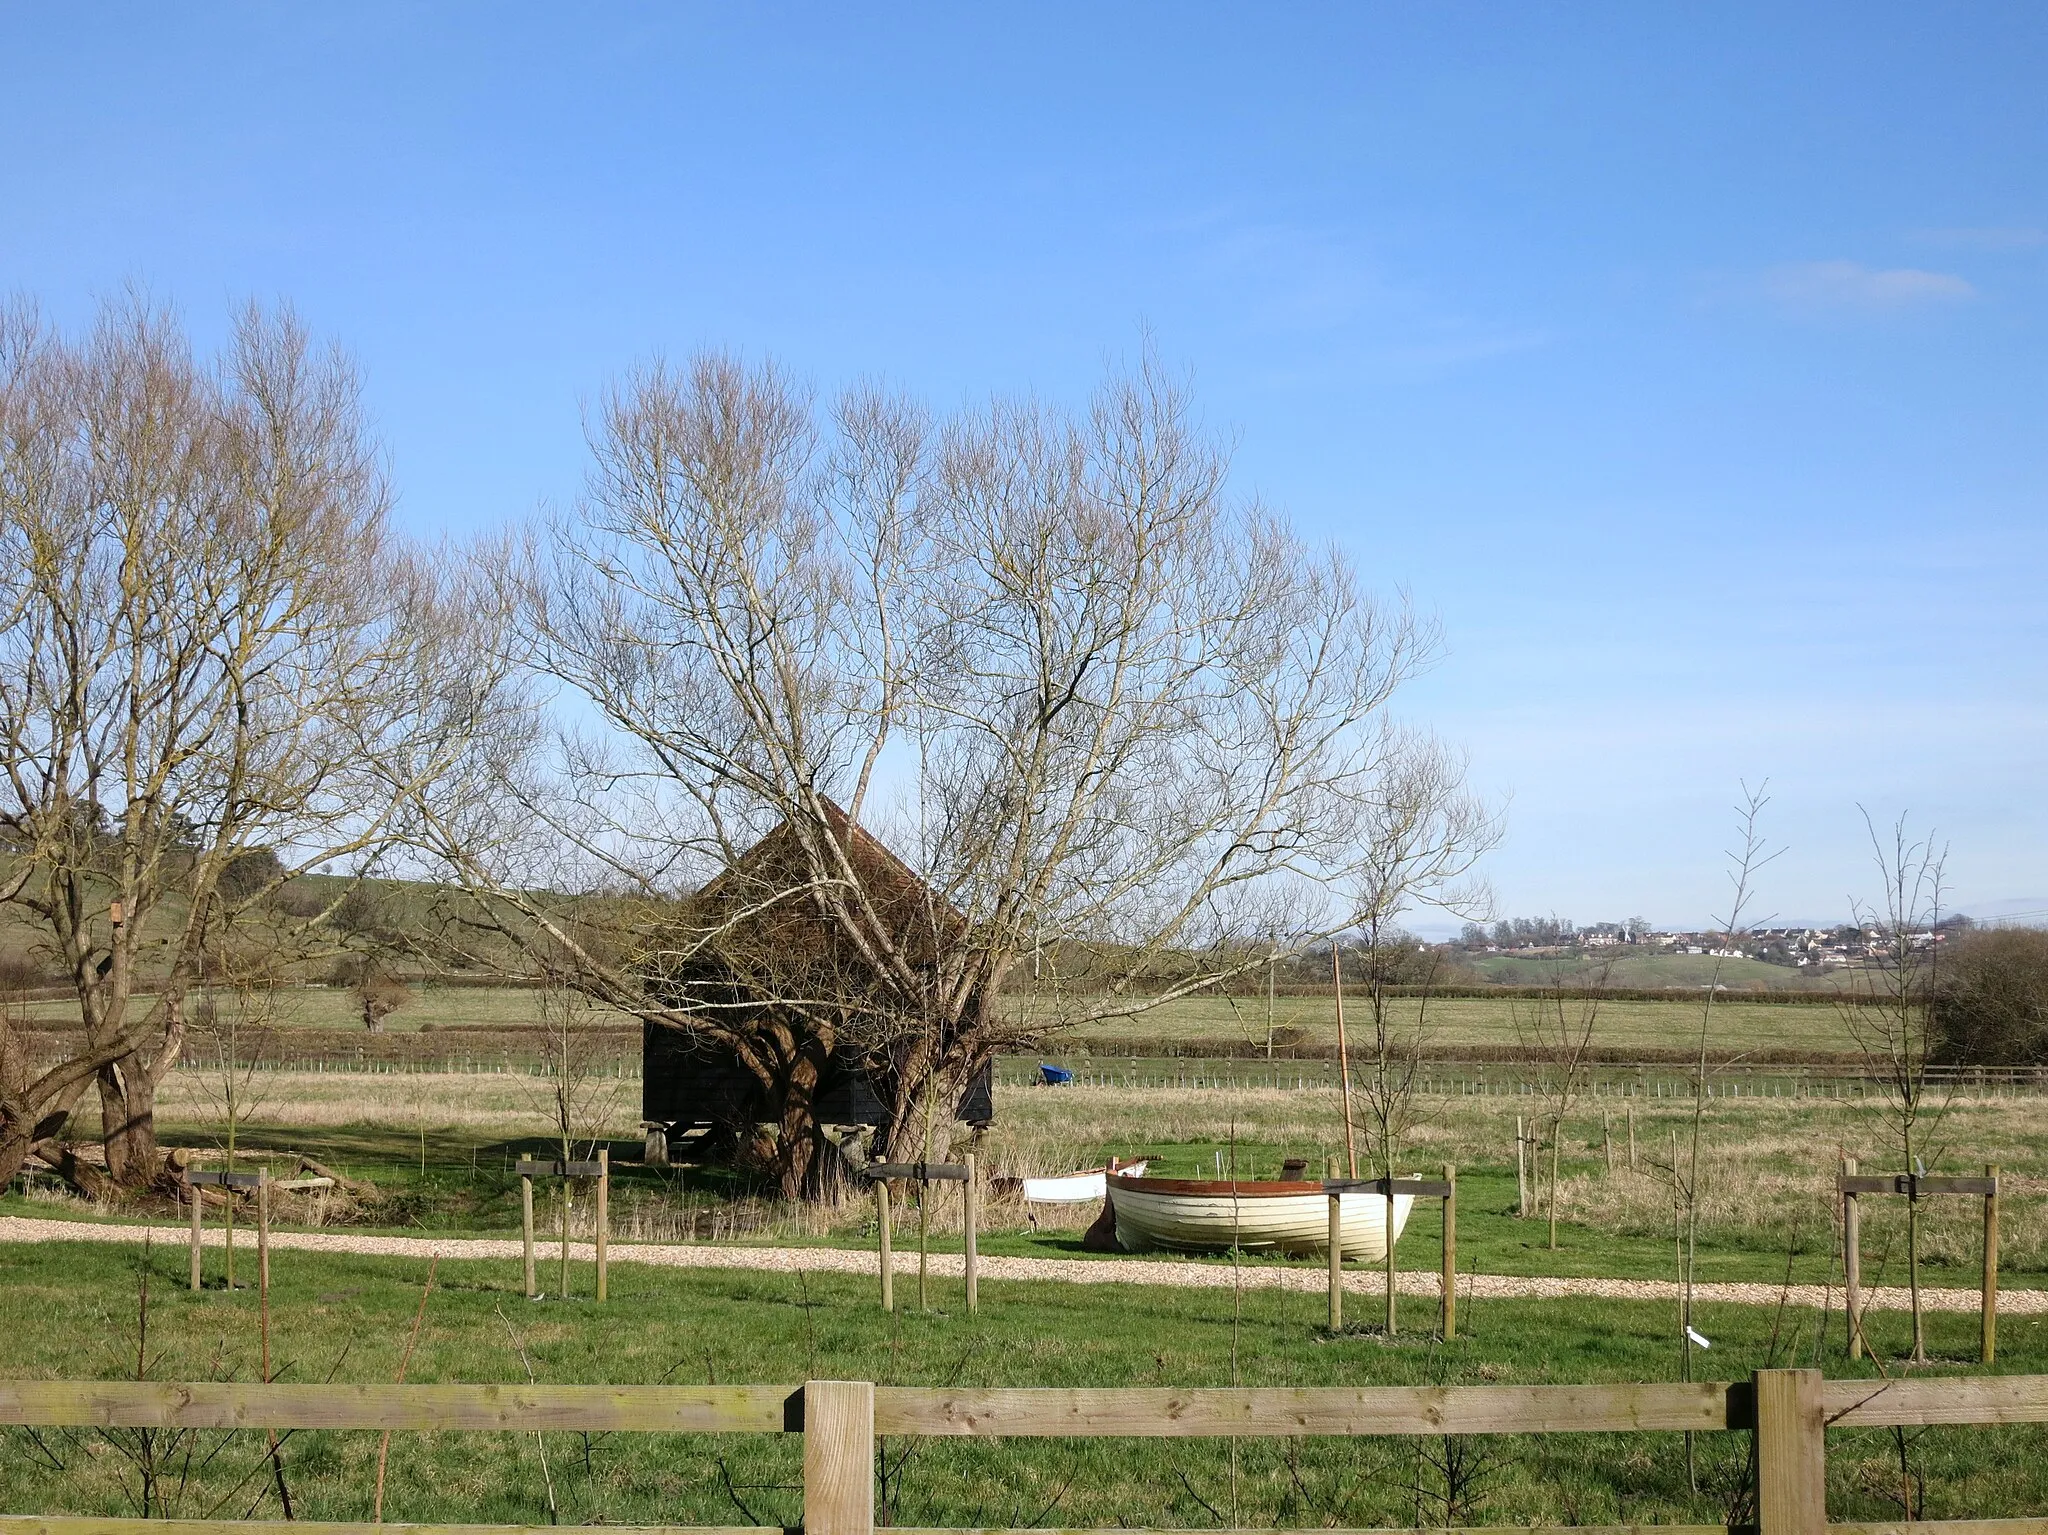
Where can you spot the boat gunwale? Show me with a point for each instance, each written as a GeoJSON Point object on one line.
{"type": "Point", "coordinates": [1220, 1187]}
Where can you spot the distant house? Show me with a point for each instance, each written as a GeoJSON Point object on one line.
{"type": "Point", "coordinates": [774, 947]}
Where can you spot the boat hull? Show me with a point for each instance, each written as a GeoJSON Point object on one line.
{"type": "Point", "coordinates": [1075, 1188]}
{"type": "Point", "coordinates": [1195, 1215]}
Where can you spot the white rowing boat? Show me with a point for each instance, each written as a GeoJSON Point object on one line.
{"type": "Point", "coordinates": [1078, 1188]}
{"type": "Point", "coordinates": [1198, 1215]}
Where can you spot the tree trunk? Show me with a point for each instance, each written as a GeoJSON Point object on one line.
{"type": "Point", "coordinates": [128, 1116]}
{"type": "Point", "coordinates": [83, 1176]}
{"type": "Point", "coordinates": [798, 1165]}
{"type": "Point", "coordinates": [17, 1135]}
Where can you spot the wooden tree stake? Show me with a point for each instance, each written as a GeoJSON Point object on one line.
{"type": "Point", "coordinates": [972, 1213]}
{"type": "Point", "coordinates": [1336, 1263]}
{"type": "Point", "coordinates": [1393, 1321]}
{"type": "Point", "coordinates": [1852, 1263]}
{"type": "Point", "coordinates": [565, 1238]}
{"type": "Point", "coordinates": [198, 1219]}
{"type": "Point", "coordinates": [1450, 1276]}
{"type": "Point", "coordinates": [526, 1227]}
{"type": "Point", "coordinates": [604, 1214]}
{"type": "Point", "coordinates": [1990, 1299]}
{"type": "Point", "coordinates": [888, 1269]}
{"type": "Point", "coordinates": [1521, 1170]}
{"type": "Point", "coordinates": [263, 1233]}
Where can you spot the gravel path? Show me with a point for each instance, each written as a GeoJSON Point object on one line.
{"type": "Point", "coordinates": [1136, 1271]}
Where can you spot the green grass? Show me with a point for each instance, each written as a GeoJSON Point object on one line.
{"type": "Point", "coordinates": [1634, 968]}
{"type": "Point", "coordinates": [468, 1188]}
{"type": "Point", "coordinates": [71, 1311]}
{"type": "Point", "coordinates": [1447, 1022]}
{"type": "Point", "coordinates": [1497, 1022]}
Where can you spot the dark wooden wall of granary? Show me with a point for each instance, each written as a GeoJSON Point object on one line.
{"type": "Point", "coordinates": [687, 1079]}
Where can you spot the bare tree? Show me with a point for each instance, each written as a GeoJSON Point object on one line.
{"type": "Point", "coordinates": [1889, 1007]}
{"type": "Point", "coordinates": [230, 1047]}
{"type": "Point", "coordinates": [380, 992]}
{"type": "Point", "coordinates": [1745, 861]}
{"type": "Point", "coordinates": [213, 660]}
{"type": "Point", "coordinates": [1023, 679]}
{"type": "Point", "coordinates": [1416, 843]}
{"type": "Point", "coordinates": [1557, 1030]}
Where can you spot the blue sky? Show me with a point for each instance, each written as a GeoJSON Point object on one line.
{"type": "Point", "coordinates": [1689, 362]}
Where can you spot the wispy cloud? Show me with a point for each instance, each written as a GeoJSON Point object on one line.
{"type": "Point", "coordinates": [1851, 285]}
{"type": "Point", "coordinates": [2006, 238]}
{"type": "Point", "coordinates": [1285, 279]}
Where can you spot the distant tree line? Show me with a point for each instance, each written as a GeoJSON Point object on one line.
{"type": "Point", "coordinates": [1990, 1003]}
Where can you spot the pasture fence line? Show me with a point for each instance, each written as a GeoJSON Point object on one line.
{"type": "Point", "coordinates": [1615, 1081]}
{"type": "Point", "coordinates": [1787, 1412]}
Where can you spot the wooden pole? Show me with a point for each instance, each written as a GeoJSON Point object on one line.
{"type": "Point", "coordinates": [1393, 1321]}
{"type": "Point", "coordinates": [1450, 1277]}
{"type": "Point", "coordinates": [972, 1196]}
{"type": "Point", "coordinates": [1336, 1263]}
{"type": "Point", "coordinates": [565, 1238]}
{"type": "Point", "coordinates": [1344, 1063]}
{"type": "Point", "coordinates": [1990, 1303]}
{"type": "Point", "coordinates": [263, 1234]}
{"type": "Point", "coordinates": [198, 1219]}
{"type": "Point", "coordinates": [1852, 1263]}
{"type": "Point", "coordinates": [839, 1457]}
{"type": "Point", "coordinates": [1791, 1453]}
{"type": "Point", "coordinates": [1631, 1140]}
{"type": "Point", "coordinates": [1521, 1170]}
{"type": "Point", "coordinates": [1550, 1200]}
{"type": "Point", "coordinates": [924, 1246]}
{"type": "Point", "coordinates": [604, 1213]}
{"type": "Point", "coordinates": [263, 1265]}
{"type": "Point", "coordinates": [1607, 1139]}
{"type": "Point", "coordinates": [526, 1226]}
{"type": "Point", "coordinates": [888, 1269]}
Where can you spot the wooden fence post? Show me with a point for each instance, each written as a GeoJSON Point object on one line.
{"type": "Point", "coordinates": [839, 1457]}
{"type": "Point", "coordinates": [526, 1226]}
{"type": "Point", "coordinates": [1336, 1263]}
{"type": "Point", "coordinates": [1990, 1300]}
{"type": "Point", "coordinates": [1791, 1453]}
{"type": "Point", "coordinates": [1852, 1263]}
{"type": "Point", "coordinates": [1607, 1137]}
{"type": "Point", "coordinates": [1450, 1279]}
{"type": "Point", "coordinates": [888, 1268]}
{"type": "Point", "coordinates": [566, 1185]}
{"type": "Point", "coordinates": [1387, 1228]}
{"type": "Point", "coordinates": [972, 1212]}
{"type": "Point", "coordinates": [198, 1218]}
{"type": "Point", "coordinates": [1521, 1170]}
{"type": "Point", "coordinates": [604, 1213]}
{"type": "Point", "coordinates": [263, 1232]}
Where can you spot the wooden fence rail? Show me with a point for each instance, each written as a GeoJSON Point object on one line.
{"type": "Point", "coordinates": [1788, 1411]}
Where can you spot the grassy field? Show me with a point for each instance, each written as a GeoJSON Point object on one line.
{"type": "Point", "coordinates": [439, 1148]}
{"type": "Point", "coordinates": [1738, 1023]}
{"type": "Point", "coordinates": [1631, 967]}
{"type": "Point", "coordinates": [1501, 1022]}
{"type": "Point", "coordinates": [74, 1311]}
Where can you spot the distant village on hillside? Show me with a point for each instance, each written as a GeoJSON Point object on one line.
{"type": "Point", "coordinates": [1846, 944]}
